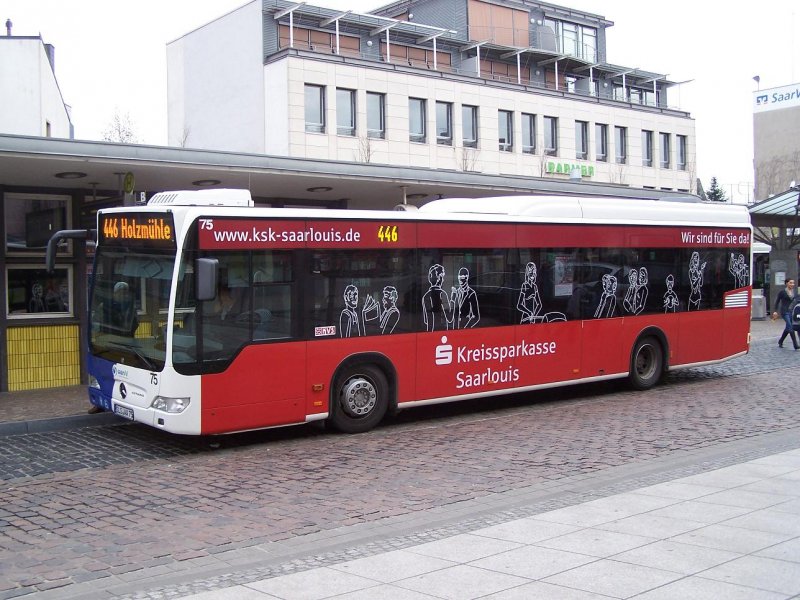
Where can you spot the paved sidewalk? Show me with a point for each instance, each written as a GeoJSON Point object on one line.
{"type": "Point", "coordinates": [729, 533]}
{"type": "Point", "coordinates": [52, 409]}
{"type": "Point", "coordinates": [65, 408]}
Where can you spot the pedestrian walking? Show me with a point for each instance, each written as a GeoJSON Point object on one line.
{"type": "Point", "coordinates": [784, 304]}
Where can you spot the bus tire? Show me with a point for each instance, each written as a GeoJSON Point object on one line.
{"type": "Point", "coordinates": [361, 399]}
{"type": "Point", "coordinates": [647, 363]}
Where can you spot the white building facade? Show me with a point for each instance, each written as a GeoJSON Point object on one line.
{"type": "Point", "coordinates": [776, 131]}
{"type": "Point", "coordinates": [29, 93]}
{"type": "Point", "coordinates": [502, 87]}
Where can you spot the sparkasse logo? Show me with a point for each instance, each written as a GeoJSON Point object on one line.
{"type": "Point", "coordinates": [444, 352]}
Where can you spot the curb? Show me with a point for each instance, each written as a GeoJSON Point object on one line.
{"type": "Point", "coordinates": [59, 424]}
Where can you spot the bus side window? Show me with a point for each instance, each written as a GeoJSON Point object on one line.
{"type": "Point", "coordinates": [272, 312]}
{"type": "Point", "coordinates": [358, 293]}
{"type": "Point", "coordinates": [272, 295]}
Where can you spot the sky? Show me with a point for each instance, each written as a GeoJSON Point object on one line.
{"type": "Point", "coordinates": [110, 59]}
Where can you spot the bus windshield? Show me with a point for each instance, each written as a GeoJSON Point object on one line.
{"type": "Point", "coordinates": [129, 306]}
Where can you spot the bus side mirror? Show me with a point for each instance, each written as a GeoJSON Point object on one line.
{"type": "Point", "coordinates": [205, 278]}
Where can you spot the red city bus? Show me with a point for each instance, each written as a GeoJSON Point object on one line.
{"type": "Point", "coordinates": [209, 315]}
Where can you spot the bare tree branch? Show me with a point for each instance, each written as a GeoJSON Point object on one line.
{"type": "Point", "coordinates": [120, 130]}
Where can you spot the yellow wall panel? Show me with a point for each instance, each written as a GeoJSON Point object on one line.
{"type": "Point", "coordinates": [43, 356]}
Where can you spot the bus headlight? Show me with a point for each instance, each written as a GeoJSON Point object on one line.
{"type": "Point", "coordinates": [170, 405]}
{"type": "Point", "coordinates": [93, 383]}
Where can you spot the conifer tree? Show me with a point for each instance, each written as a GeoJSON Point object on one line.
{"type": "Point", "coordinates": [716, 193]}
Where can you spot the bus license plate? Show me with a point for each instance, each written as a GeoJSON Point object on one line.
{"type": "Point", "coordinates": [123, 412]}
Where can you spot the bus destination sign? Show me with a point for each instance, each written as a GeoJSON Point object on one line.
{"type": "Point", "coordinates": [144, 229]}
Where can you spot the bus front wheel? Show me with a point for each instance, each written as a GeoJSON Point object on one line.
{"type": "Point", "coordinates": [361, 401]}
{"type": "Point", "coordinates": [647, 362]}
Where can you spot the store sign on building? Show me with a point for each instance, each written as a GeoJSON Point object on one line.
{"type": "Point", "coordinates": [776, 98]}
{"type": "Point", "coordinates": [566, 168]}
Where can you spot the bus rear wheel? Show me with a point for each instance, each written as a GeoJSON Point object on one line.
{"type": "Point", "coordinates": [647, 363]}
{"type": "Point", "coordinates": [361, 400]}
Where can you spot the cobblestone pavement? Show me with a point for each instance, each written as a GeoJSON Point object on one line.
{"type": "Point", "coordinates": [116, 504]}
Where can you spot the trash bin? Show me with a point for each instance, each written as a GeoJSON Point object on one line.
{"type": "Point", "coordinates": [758, 306]}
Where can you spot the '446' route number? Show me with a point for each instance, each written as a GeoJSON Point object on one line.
{"type": "Point", "coordinates": [110, 228]}
{"type": "Point", "coordinates": [387, 233]}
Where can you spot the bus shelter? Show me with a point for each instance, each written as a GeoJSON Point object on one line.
{"type": "Point", "coordinates": [776, 221]}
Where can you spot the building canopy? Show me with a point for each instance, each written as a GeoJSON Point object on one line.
{"type": "Point", "coordinates": [776, 220]}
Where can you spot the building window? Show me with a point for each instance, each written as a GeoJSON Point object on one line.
{"type": "Point", "coordinates": [444, 123]}
{"type": "Point", "coordinates": [551, 136]}
{"type": "Point", "coordinates": [574, 40]}
{"type": "Point", "coordinates": [345, 112]}
{"type": "Point", "coordinates": [528, 133]}
{"type": "Point", "coordinates": [581, 140]}
{"type": "Point", "coordinates": [31, 220]}
{"type": "Point", "coordinates": [681, 152]}
{"type": "Point", "coordinates": [33, 291]}
{"type": "Point", "coordinates": [376, 115]}
{"type": "Point", "coordinates": [469, 126]}
{"type": "Point", "coordinates": [601, 142]}
{"type": "Point", "coordinates": [315, 108]}
{"type": "Point", "coordinates": [664, 145]}
{"type": "Point", "coordinates": [621, 145]}
{"type": "Point", "coordinates": [505, 130]}
{"type": "Point", "coordinates": [416, 120]}
{"type": "Point", "coordinates": [647, 148]}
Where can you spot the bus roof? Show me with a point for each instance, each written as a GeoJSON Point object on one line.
{"type": "Point", "coordinates": [570, 208]}
{"type": "Point", "coordinates": [531, 209]}
{"type": "Point", "coordinates": [220, 197]}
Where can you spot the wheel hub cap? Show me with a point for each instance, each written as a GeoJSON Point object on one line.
{"type": "Point", "coordinates": [359, 397]}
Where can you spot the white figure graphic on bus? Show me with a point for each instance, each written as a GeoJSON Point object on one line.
{"type": "Point", "coordinates": [390, 314]}
{"type": "Point", "coordinates": [696, 269]}
{"type": "Point", "coordinates": [636, 295]}
{"type": "Point", "coordinates": [465, 302]}
{"type": "Point", "coordinates": [640, 297]}
{"type": "Point", "coordinates": [350, 322]}
{"type": "Point", "coordinates": [529, 302]}
{"type": "Point", "coordinates": [738, 268]}
{"type": "Point", "coordinates": [628, 302]}
{"type": "Point", "coordinates": [608, 299]}
{"type": "Point", "coordinates": [437, 310]}
{"type": "Point", "coordinates": [671, 301]}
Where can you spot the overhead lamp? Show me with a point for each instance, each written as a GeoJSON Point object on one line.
{"type": "Point", "coordinates": [71, 175]}
{"type": "Point", "coordinates": [320, 188]}
{"type": "Point", "coordinates": [206, 182]}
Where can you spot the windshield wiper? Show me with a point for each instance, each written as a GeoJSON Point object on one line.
{"type": "Point", "coordinates": [142, 357]}
{"type": "Point", "coordinates": [146, 360]}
